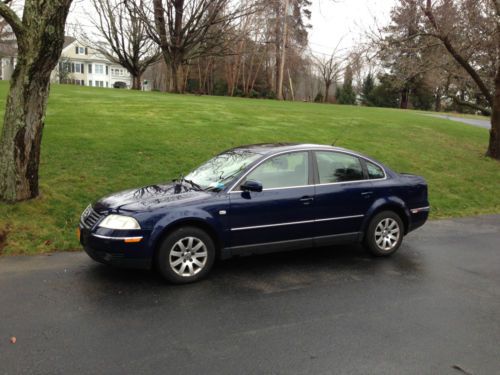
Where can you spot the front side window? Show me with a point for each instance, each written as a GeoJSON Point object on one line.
{"type": "Point", "coordinates": [338, 167]}
{"type": "Point", "coordinates": [374, 171]}
{"type": "Point", "coordinates": [222, 169]}
{"type": "Point", "coordinates": [281, 171]}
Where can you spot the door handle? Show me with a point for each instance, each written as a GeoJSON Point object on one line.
{"type": "Point", "coordinates": [367, 194]}
{"type": "Point", "coordinates": [306, 200]}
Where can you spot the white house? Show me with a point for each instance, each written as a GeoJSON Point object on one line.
{"type": "Point", "coordinates": [79, 64]}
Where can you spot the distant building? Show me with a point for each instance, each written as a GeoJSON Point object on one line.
{"type": "Point", "coordinates": [8, 60]}
{"type": "Point", "coordinates": [79, 64]}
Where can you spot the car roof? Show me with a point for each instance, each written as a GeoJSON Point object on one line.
{"type": "Point", "coordinates": [271, 148]}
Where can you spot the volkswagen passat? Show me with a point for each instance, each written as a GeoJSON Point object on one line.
{"type": "Point", "coordinates": [254, 199]}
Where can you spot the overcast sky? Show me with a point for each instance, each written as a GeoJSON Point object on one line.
{"type": "Point", "coordinates": [332, 21]}
{"type": "Point", "coordinates": [344, 21]}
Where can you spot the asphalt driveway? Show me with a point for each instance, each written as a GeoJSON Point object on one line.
{"type": "Point", "coordinates": [433, 308]}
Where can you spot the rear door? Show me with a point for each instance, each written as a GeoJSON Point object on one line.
{"type": "Point", "coordinates": [343, 196]}
{"type": "Point", "coordinates": [283, 213]}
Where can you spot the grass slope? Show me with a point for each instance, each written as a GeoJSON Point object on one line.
{"type": "Point", "coordinates": [97, 141]}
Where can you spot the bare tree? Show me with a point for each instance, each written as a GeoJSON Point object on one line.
{"type": "Point", "coordinates": [329, 67]}
{"type": "Point", "coordinates": [483, 15]}
{"type": "Point", "coordinates": [124, 39]}
{"type": "Point", "coordinates": [290, 19]}
{"type": "Point", "coordinates": [189, 29]}
{"type": "Point", "coordinates": [40, 38]}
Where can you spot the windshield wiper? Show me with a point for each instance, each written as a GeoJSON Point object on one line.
{"type": "Point", "coordinates": [179, 183]}
{"type": "Point", "coordinates": [193, 184]}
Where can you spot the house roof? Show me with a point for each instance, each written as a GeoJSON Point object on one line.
{"type": "Point", "coordinates": [8, 48]}
{"type": "Point", "coordinates": [68, 40]}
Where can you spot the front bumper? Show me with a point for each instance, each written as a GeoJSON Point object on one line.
{"type": "Point", "coordinates": [109, 247]}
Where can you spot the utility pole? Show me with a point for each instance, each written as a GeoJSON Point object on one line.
{"type": "Point", "coordinates": [283, 53]}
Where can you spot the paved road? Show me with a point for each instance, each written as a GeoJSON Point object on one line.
{"type": "Point", "coordinates": [486, 124]}
{"type": "Point", "coordinates": [434, 305]}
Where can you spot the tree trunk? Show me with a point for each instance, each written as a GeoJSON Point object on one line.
{"type": "Point", "coordinates": [177, 78]}
{"type": "Point", "coordinates": [405, 93]}
{"type": "Point", "coordinates": [327, 92]}
{"type": "Point", "coordinates": [40, 38]}
{"type": "Point", "coordinates": [136, 82]}
{"type": "Point", "coordinates": [21, 137]}
{"type": "Point", "coordinates": [281, 71]}
{"type": "Point", "coordinates": [437, 102]}
{"type": "Point", "coordinates": [494, 144]}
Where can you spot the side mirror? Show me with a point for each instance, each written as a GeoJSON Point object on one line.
{"type": "Point", "coordinates": [251, 185]}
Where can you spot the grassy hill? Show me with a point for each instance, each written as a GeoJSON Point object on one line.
{"type": "Point", "coordinates": [97, 141]}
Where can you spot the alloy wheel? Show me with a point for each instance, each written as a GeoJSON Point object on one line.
{"type": "Point", "coordinates": [387, 234]}
{"type": "Point", "coordinates": [188, 256]}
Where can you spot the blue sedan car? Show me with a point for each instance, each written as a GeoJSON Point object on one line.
{"type": "Point", "coordinates": [255, 199]}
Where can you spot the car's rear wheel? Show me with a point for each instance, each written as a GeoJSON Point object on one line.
{"type": "Point", "coordinates": [385, 234]}
{"type": "Point", "coordinates": [186, 255]}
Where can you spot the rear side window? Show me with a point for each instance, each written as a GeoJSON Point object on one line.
{"type": "Point", "coordinates": [338, 167]}
{"type": "Point", "coordinates": [374, 171]}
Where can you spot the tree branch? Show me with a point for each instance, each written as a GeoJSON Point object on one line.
{"type": "Point", "coordinates": [477, 107]}
{"type": "Point", "coordinates": [12, 19]}
{"type": "Point", "coordinates": [455, 54]}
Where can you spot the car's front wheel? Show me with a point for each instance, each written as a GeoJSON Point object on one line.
{"type": "Point", "coordinates": [385, 234]}
{"type": "Point", "coordinates": [186, 255]}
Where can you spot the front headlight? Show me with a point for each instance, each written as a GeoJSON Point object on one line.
{"type": "Point", "coordinates": [119, 222]}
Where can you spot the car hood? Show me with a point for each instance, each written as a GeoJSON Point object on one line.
{"type": "Point", "coordinates": [147, 198]}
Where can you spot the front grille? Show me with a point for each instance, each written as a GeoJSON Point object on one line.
{"type": "Point", "coordinates": [90, 217]}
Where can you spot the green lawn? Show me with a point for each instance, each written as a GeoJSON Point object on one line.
{"type": "Point", "coordinates": [97, 141]}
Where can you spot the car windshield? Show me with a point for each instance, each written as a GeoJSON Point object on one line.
{"type": "Point", "coordinates": [220, 170]}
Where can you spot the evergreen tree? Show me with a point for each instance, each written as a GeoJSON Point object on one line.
{"type": "Point", "coordinates": [346, 94]}
{"type": "Point", "coordinates": [367, 93]}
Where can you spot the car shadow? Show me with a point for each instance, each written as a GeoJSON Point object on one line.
{"type": "Point", "coordinates": [276, 271]}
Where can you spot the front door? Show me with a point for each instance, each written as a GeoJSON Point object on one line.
{"type": "Point", "coordinates": [282, 215]}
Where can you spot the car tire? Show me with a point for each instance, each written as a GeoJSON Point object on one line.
{"type": "Point", "coordinates": [385, 234]}
{"type": "Point", "coordinates": [185, 255]}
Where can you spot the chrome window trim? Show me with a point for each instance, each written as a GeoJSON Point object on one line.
{"type": "Point", "coordinates": [115, 238]}
{"type": "Point", "coordinates": [297, 222]}
{"type": "Point", "coordinates": [230, 190]}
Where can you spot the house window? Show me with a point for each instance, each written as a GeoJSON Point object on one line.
{"type": "Point", "coordinates": [90, 82]}
{"type": "Point", "coordinates": [99, 68]}
{"type": "Point", "coordinates": [79, 68]}
{"type": "Point", "coordinates": [90, 68]}
{"type": "Point", "coordinates": [81, 50]}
